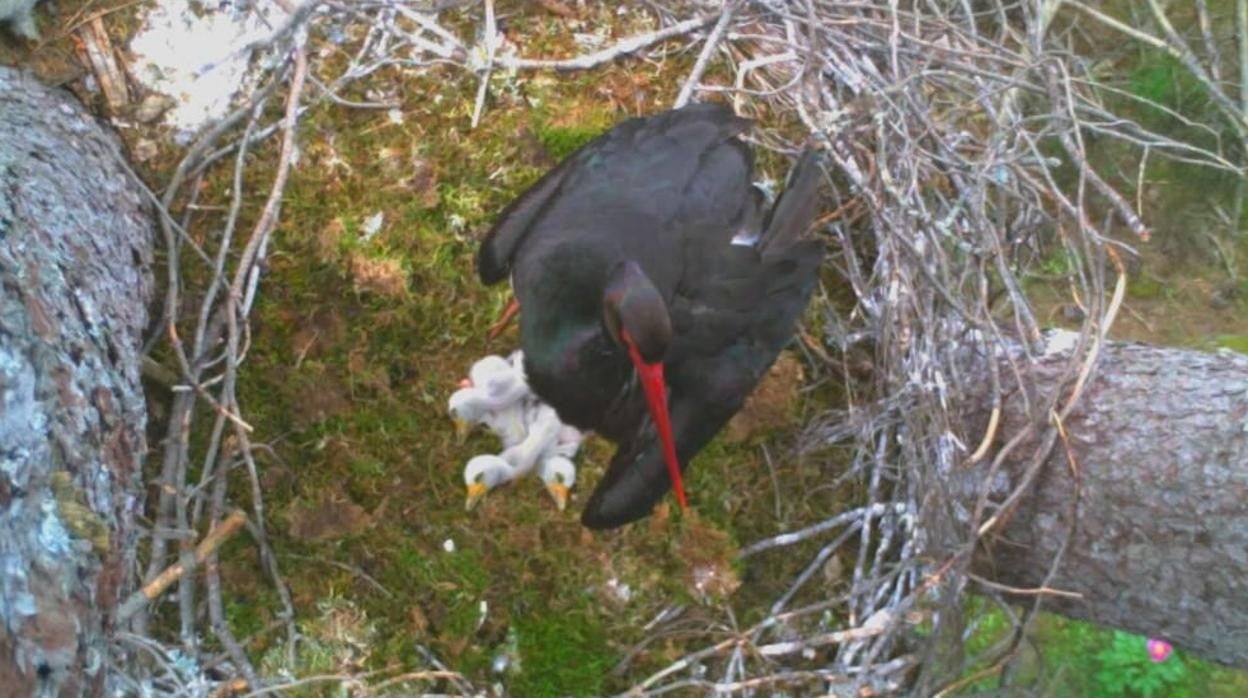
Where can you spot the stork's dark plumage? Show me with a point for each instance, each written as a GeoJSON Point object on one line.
{"type": "Point", "coordinates": [644, 261]}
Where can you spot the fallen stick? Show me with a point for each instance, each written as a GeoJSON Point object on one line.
{"type": "Point", "coordinates": [186, 563]}
{"type": "Point", "coordinates": [100, 57]}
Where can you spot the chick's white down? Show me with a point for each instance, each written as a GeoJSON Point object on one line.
{"type": "Point", "coordinates": [493, 395]}
{"type": "Point", "coordinates": [498, 396]}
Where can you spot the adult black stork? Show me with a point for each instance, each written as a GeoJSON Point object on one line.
{"type": "Point", "coordinates": [646, 259]}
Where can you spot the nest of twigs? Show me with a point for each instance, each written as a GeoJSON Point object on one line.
{"type": "Point", "coordinates": [952, 135]}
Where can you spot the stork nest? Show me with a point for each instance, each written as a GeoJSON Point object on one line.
{"type": "Point", "coordinates": [952, 142]}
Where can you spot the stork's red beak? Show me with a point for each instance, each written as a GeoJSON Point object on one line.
{"type": "Point", "coordinates": [652, 382]}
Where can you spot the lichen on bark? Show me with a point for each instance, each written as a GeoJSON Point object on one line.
{"type": "Point", "coordinates": [75, 281]}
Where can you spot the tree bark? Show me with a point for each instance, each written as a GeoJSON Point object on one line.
{"type": "Point", "coordinates": [75, 260]}
{"type": "Point", "coordinates": [1157, 493]}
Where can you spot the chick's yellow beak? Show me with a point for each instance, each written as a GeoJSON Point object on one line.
{"type": "Point", "coordinates": [462, 427]}
{"type": "Point", "coordinates": [559, 492]}
{"type": "Point", "coordinates": [476, 491]}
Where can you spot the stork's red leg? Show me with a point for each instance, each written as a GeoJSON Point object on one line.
{"type": "Point", "coordinates": [509, 313]}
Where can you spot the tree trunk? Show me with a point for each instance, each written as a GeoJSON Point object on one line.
{"type": "Point", "coordinates": [75, 259]}
{"type": "Point", "coordinates": [1157, 492]}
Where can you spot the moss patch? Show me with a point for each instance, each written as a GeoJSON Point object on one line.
{"type": "Point", "coordinates": [1234, 342]}
{"type": "Point", "coordinates": [563, 655]}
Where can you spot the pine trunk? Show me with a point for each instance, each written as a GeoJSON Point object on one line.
{"type": "Point", "coordinates": [1153, 477]}
{"type": "Point", "coordinates": [75, 261]}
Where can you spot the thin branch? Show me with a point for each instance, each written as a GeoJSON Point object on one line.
{"type": "Point", "coordinates": [708, 49]}
{"type": "Point", "coordinates": [618, 50]}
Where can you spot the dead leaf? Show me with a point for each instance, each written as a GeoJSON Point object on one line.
{"type": "Point", "coordinates": [709, 553]}
{"type": "Point", "coordinates": [659, 519]}
{"type": "Point", "coordinates": [418, 618]}
{"type": "Point", "coordinates": [423, 181]}
{"type": "Point", "coordinates": [382, 276]}
{"type": "Point", "coordinates": [328, 240]}
{"type": "Point", "coordinates": [555, 7]}
{"type": "Point", "coordinates": [319, 399]}
{"type": "Point", "coordinates": [316, 333]}
{"type": "Point", "coordinates": [331, 517]}
{"type": "Point", "coordinates": [770, 407]}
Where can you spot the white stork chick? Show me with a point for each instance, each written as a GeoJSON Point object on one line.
{"type": "Point", "coordinates": [485, 472]}
{"type": "Point", "coordinates": [494, 395]}
{"type": "Point", "coordinates": [559, 474]}
{"type": "Point", "coordinates": [557, 469]}
{"type": "Point", "coordinates": [540, 444]}
{"type": "Point", "coordinates": [555, 466]}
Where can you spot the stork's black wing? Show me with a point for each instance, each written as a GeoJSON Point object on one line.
{"type": "Point", "coordinates": [654, 167]}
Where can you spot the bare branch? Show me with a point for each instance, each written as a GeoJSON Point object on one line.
{"type": "Point", "coordinates": [611, 53]}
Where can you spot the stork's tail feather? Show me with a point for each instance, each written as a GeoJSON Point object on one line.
{"type": "Point", "coordinates": [795, 208]}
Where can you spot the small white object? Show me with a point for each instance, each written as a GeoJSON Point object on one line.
{"type": "Point", "coordinates": [1060, 342]}
{"type": "Point", "coordinates": [620, 590]}
{"type": "Point", "coordinates": [590, 40]}
{"type": "Point", "coordinates": [372, 225]}
{"type": "Point", "coordinates": [745, 238]}
{"type": "Point", "coordinates": [500, 664]}
{"type": "Point", "coordinates": [198, 53]}
{"type": "Point", "coordinates": [483, 612]}
{"type": "Point", "coordinates": [449, 545]}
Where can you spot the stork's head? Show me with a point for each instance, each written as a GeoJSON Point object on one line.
{"type": "Point", "coordinates": [635, 316]}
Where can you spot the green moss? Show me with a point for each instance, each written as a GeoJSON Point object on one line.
{"type": "Point", "coordinates": [565, 655]}
{"type": "Point", "coordinates": [1234, 342]}
{"type": "Point", "coordinates": [561, 132]}
{"type": "Point", "coordinates": [1143, 286]}
{"type": "Point", "coordinates": [336, 639]}
{"type": "Point", "coordinates": [1058, 264]}
{"type": "Point", "coordinates": [1161, 78]}
{"type": "Point", "coordinates": [563, 141]}
{"type": "Point", "coordinates": [1082, 659]}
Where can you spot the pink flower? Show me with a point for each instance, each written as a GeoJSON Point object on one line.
{"type": "Point", "coordinates": [1159, 650]}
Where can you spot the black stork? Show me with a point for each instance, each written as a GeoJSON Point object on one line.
{"type": "Point", "coordinates": [651, 280]}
